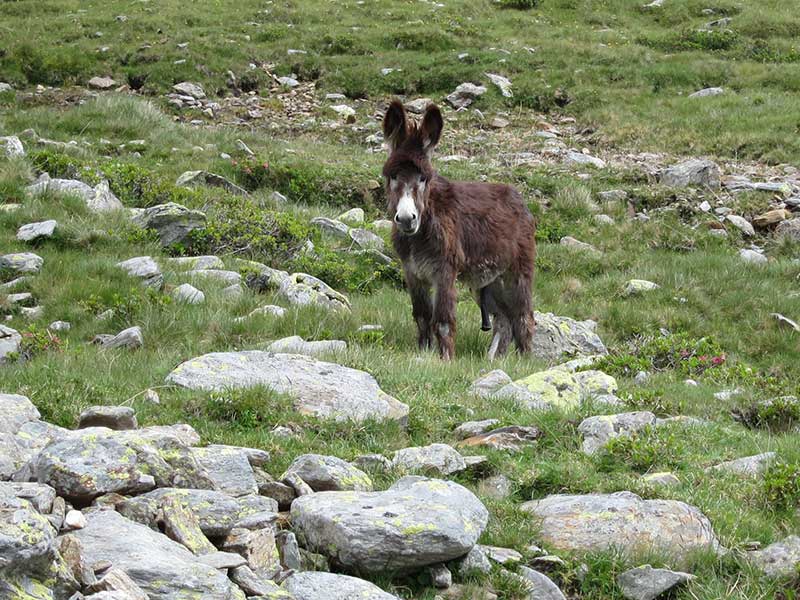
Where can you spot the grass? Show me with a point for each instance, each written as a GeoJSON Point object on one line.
{"type": "Point", "coordinates": [626, 72]}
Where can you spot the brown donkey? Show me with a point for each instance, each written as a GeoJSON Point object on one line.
{"type": "Point", "coordinates": [479, 233]}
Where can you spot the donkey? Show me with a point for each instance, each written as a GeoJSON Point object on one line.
{"type": "Point", "coordinates": [479, 233]}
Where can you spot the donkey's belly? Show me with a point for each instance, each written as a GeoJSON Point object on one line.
{"type": "Point", "coordinates": [477, 279]}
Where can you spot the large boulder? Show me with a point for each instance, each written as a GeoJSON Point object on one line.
{"type": "Point", "coordinates": [555, 337]}
{"type": "Point", "coordinates": [311, 585]}
{"type": "Point", "coordinates": [300, 289]}
{"type": "Point", "coordinates": [98, 199]}
{"type": "Point", "coordinates": [693, 172]}
{"type": "Point", "coordinates": [415, 523]}
{"type": "Point", "coordinates": [322, 389]}
{"type": "Point", "coordinates": [164, 569]}
{"type": "Point", "coordinates": [622, 521]}
{"type": "Point", "coordinates": [558, 388]}
{"type": "Point", "coordinates": [171, 221]}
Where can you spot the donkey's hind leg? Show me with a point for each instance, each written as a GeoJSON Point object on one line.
{"type": "Point", "coordinates": [521, 316]}
{"type": "Point", "coordinates": [502, 336]}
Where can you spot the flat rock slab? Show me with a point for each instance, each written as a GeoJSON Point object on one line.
{"type": "Point", "coordinates": [415, 523]}
{"type": "Point", "coordinates": [34, 231]}
{"type": "Point", "coordinates": [164, 569]}
{"type": "Point", "coordinates": [435, 458]}
{"type": "Point", "coordinates": [322, 389]}
{"type": "Point", "coordinates": [555, 337]}
{"type": "Point", "coordinates": [780, 559]}
{"type": "Point", "coordinates": [229, 469]}
{"type": "Point", "coordinates": [558, 388]}
{"type": "Point", "coordinates": [599, 522]}
{"type": "Point", "coordinates": [21, 262]}
{"type": "Point", "coordinates": [647, 583]}
{"type": "Point", "coordinates": [693, 172]}
{"type": "Point", "coordinates": [297, 345]}
{"type": "Point", "coordinates": [204, 178]}
{"type": "Point", "coordinates": [312, 585]}
{"type": "Point", "coordinates": [98, 199]}
{"type": "Point", "coordinates": [598, 431]}
{"type": "Point", "coordinates": [749, 466]}
{"type": "Point", "coordinates": [171, 221]}
{"type": "Point", "coordinates": [145, 268]}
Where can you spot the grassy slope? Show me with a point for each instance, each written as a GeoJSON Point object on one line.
{"type": "Point", "coordinates": [629, 88]}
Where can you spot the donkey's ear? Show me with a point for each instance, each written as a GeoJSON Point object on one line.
{"type": "Point", "coordinates": [431, 128]}
{"type": "Point", "coordinates": [395, 125]}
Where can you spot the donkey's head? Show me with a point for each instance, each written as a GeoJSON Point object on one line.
{"type": "Point", "coordinates": [409, 171]}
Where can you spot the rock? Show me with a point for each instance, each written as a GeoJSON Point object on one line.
{"type": "Point", "coordinates": [145, 268]}
{"type": "Point", "coordinates": [771, 218]}
{"type": "Point", "coordinates": [354, 216]}
{"type": "Point", "coordinates": [665, 479]}
{"type": "Point", "coordinates": [705, 93]}
{"type": "Point", "coordinates": [222, 560]}
{"type": "Point", "coordinates": [172, 222]}
{"type": "Point", "coordinates": [98, 199]}
{"type": "Point", "coordinates": [11, 147]}
{"type": "Point", "coordinates": [539, 585]}
{"type": "Point", "coordinates": [513, 438]}
{"type": "Point", "coordinates": [440, 459]}
{"type": "Point", "coordinates": [741, 224]}
{"type": "Point", "coordinates": [220, 275]}
{"type": "Point", "coordinates": [555, 336]}
{"type": "Point", "coordinates": [102, 83]}
{"type": "Point", "coordinates": [693, 172]}
{"type": "Point", "coordinates": [16, 411]}
{"type": "Point", "coordinates": [372, 462]}
{"type": "Point", "coordinates": [5, 87]}
{"type": "Point", "coordinates": [581, 160]}
{"type": "Point", "coordinates": [780, 559]}
{"type": "Point", "coordinates": [571, 242]}
{"type": "Point", "coordinates": [269, 310]}
{"type": "Point", "coordinates": [418, 105]}
{"type": "Point", "coordinates": [26, 544]}
{"type": "Point", "coordinates": [558, 388]}
{"type": "Point", "coordinates": [253, 585]}
{"type": "Point", "coordinates": [502, 556]}
{"type": "Point", "coordinates": [329, 473]}
{"type": "Point", "coordinates": [343, 110]}
{"type": "Point", "coordinates": [753, 257]}
{"type": "Point", "coordinates": [182, 525]}
{"type": "Point", "coordinates": [473, 428]}
{"type": "Point", "coordinates": [21, 262]}
{"type": "Point", "coordinates": [328, 586]}
{"type": "Point", "coordinates": [430, 521]}
{"type": "Point", "coordinates": [464, 95]}
{"type": "Point", "coordinates": [74, 519]}
{"type": "Point", "coordinates": [300, 289]}
{"type": "Point", "coordinates": [786, 322]}
{"type": "Point", "coordinates": [162, 568]}
{"type": "Point", "coordinates": [297, 345]}
{"type": "Point", "coordinates": [639, 286]}
{"type": "Point", "coordinates": [789, 230]}
{"type": "Point", "coordinates": [598, 431]}
{"type": "Point", "coordinates": [600, 522]}
{"type": "Point", "coordinates": [113, 417]}
{"type": "Point", "coordinates": [199, 262]}
{"type": "Point", "coordinates": [749, 466]}
{"type": "Point", "coordinates": [130, 338]}
{"type": "Point", "coordinates": [187, 88]}
{"type": "Point", "coordinates": [188, 294]}
{"type": "Point", "coordinates": [10, 342]}
{"type": "Point", "coordinates": [116, 585]}
{"type": "Point", "coordinates": [34, 231]}
{"type": "Point", "coordinates": [289, 551]}
{"type": "Point", "coordinates": [386, 225]}
{"type": "Point", "coordinates": [326, 390]}
{"type": "Point", "coordinates": [474, 562]}
{"type": "Point", "coordinates": [300, 487]}
{"type": "Point", "coordinates": [229, 469]}
{"type": "Point", "coordinates": [366, 239]}
{"type": "Point", "coordinates": [267, 279]}
{"type": "Point", "coordinates": [502, 83]}
{"type": "Point", "coordinates": [613, 196]}
{"type": "Point", "coordinates": [206, 179]}
{"type": "Point", "coordinates": [331, 227]}
{"type": "Point", "coordinates": [257, 547]}
{"type": "Point", "coordinates": [497, 487]}
{"type": "Point", "coordinates": [289, 82]}
{"type": "Point", "coordinates": [647, 583]}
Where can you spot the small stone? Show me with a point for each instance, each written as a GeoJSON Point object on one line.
{"type": "Point", "coordinates": [502, 83]}
{"type": "Point", "coordinates": [438, 458]}
{"type": "Point", "coordinates": [789, 229]}
{"type": "Point", "coordinates": [440, 577]}
{"type": "Point", "coordinates": [144, 268]}
{"type": "Point", "coordinates": [513, 438]}
{"type": "Point", "coordinates": [102, 83]}
{"type": "Point", "coordinates": [34, 231]}
{"type": "Point", "coordinates": [464, 95]}
{"type": "Point", "coordinates": [741, 224]}
{"type": "Point", "coordinates": [289, 82]}
{"type": "Point", "coordinates": [222, 560]}
{"type": "Point", "coordinates": [780, 559]}
{"type": "Point", "coordinates": [195, 90]}
{"type": "Point", "coordinates": [582, 160]}
{"type": "Point", "coordinates": [639, 286]}
{"type": "Point", "coordinates": [502, 556]}
{"type": "Point", "coordinates": [473, 428]}
{"type": "Point", "coordinates": [647, 583]}
{"type": "Point", "coordinates": [603, 220]}
{"type": "Point", "coordinates": [74, 519]}
{"type": "Point", "coordinates": [328, 473]}
{"type": "Point", "coordinates": [539, 585]}
{"type": "Point", "coordinates": [114, 417]}
{"type": "Point", "coordinates": [642, 377]}
{"type": "Point", "coordinates": [598, 431]}
{"type": "Point", "coordinates": [130, 338]}
{"type": "Point", "coordinates": [785, 322]}
{"type": "Point", "coordinates": [59, 326]}
{"type": "Point", "coordinates": [354, 216]}
{"type": "Point", "coordinates": [497, 487]}
{"type": "Point", "coordinates": [753, 257]}
{"type": "Point", "coordinates": [22, 262]}
{"type": "Point", "coordinates": [613, 196]}
{"type": "Point", "coordinates": [749, 466]}
{"type": "Point", "coordinates": [188, 294]}
{"type": "Point", "coordinates": [489, 383]}
{"type": "Point", "coordinates": [571, 242]}
{"type": "Point", "coordinates": [705, 93]}
{"type": "Point", "coordinates": [666, 479]}
{"type": "Point", "coordinates": [297, 345]}
{"type": "Point", "coordinates": [11, 147]}
{"type": "Point", "coordinates": [693, 172]}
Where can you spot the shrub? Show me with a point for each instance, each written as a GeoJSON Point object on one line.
{"type": "Point", "coordinates": [519, 4]}
{"type": "Point", "coordinates": [57, 164]}
{"type": "Point", "coordinates": [782, 485]}
{"type": "Point", "coordinates": [639, 452]}
{"type": "Point", "coordinates": [779, 414]}
{"type": "Point", "coordinates": [137, 186]}
{"type": "Point", "coordinates": [37, 341]}
{"type": "Point", "coordinates": [56, 67]}
{"type": "Point", "coordinates": [350, 272]}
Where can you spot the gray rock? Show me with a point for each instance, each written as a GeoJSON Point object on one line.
{"type": "Point", "coordinates": [571, 242]}
{"type": "Point", "coordinates": [10, 342]}
{"type": "Point", "coordinates": [11, 147]}
{"type": "Point", "coordinates": [497, 487]}
{"type": "Point", "coordinates": [233, 291]}
{"type": "Point", "coordinates": [372, 462]}
{"type": "Point", "coordinates": [789, 229]}
{"type": "Point", "coordinates": [647, 583]}
{"type": "Point", "coordinates": [144, 268]}
{"type": "Point", "coordinates": [539, 585]}
{"type": "Point", "coordinates": [329, 473]}
{"type": "Point", "coordinates": [415, 523]}
{"type": "Point", "coordinates": [328, 586]}
{"type": "Point", "coordinates": [229, 469]}
{"type": "Point", "coordinates": [741, 224]}
{"type": "Point", "coordinates": [268, 310]}
{"type": "Point", "coordinates": [354, 216]}
{"type": "Point", "coordinates": [98, 199]}
{"type": "Point", "coordinates": [182, 525]}
{"type": "Point", "coordinates": [474, 562]}
{"type": "Point", "coordinates": [188, 294]}
{"type": "Point", "coordinates": [599, 522]}
{"type": "Point", "coordinates": [635, 287]}
{"type": "Point", "coordinates": [464, 95]}
{"type": "Point", "coordinates": [665, 479]}
{"type": "Point", "coordinates": [16, 411]}
{"type": "Point", "coordinates": [366, 239]}
{"type": "Point", "coordinates": [187, 88]}
{"type": "Point", "coordinates": [555, 336]}
{"type": "Point", "coordinates": [512, 438]}
{"type": "Point", "coordinates": [707, 92]}
{"type": "Point", "coordinates": [130, 338]}
{"type": "Point", "coordinates": [164, 569]}
{"type": "Point", "coordinates": [693, 172]}
{"type": "Point", "coordinates": [252, 584]}
{"type": "Point", "coordinates": [222, 560]}
{"type": "Point", "coordinates": [113, 417]}
{"type": "Point", "coordinates": [220, 275]}
{"type": "Point", "coordinates": [473, 428]}
{"type": "Point", "coordinates": [786, 322]}
{"type": "Point", "coordinates": [34, 231]}
{"type": "Point", "coordinates": [440, 576]}
{"type": "Point", "coordinates": [297, 345]}
{"type": "Point", "coordinates": [204, 178]}
{"type": "Point", "coordinates": [598, 431]}
{"type": "Point", "coordinates": [440, 459]}
{"type": "Point", "coordinates": [332, 227]}
{"type": "Point", "coordinates": [21, 262]}
{"type": "Point", "coordinates": [613, 196]}
{"type": "Point", "coordinates": [581, 160]}
{"type": "Point", "coordinates": [326, 390]}
{"type": "Point", "coordinates": [558, 388]}
{"type": "Point", "coordinates": [753, 257]}
{"type": "Point", "coordinates": [502, 556]}
{"type": "Point", "coordinates": [257, 547]}
{"type": "Point", "coordinates": [749, 466]}
{"type": "Point", "coordinates": [26, 543]}
{"type": "Point", "coordinates": [487, 384]}
{"type": "Point", "coordinates": [300, 289]}
{"type": "Point", "coordinates": [59, 326]}
{"type": "Point", "coordinates": [173, 222]}
{"type": "Point", "coordinates": [102, 83]}
{"type": "Point", "coordinates": [502, 83]}
{"type": "Point", "coordinates": [198, 262]}
{"type": "Point", "coordinates": [780, 559]}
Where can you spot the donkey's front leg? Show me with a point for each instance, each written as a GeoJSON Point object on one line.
{"type": "Point", "coordinates": [421, 309]}
{"type": "Point", "coordinates": [444, 314]}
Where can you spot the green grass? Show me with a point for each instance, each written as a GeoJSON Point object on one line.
{"type": "Point", "coordinates": [627, 72]}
